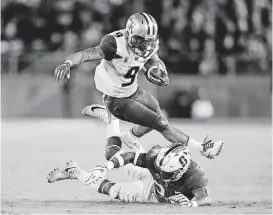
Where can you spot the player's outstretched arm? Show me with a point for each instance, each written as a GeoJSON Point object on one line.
{"type": "Point", "coordinates": [93, 53]}
{"type": "Point", "coordinates": [117, 161]}
{"type": "Point", "coordinates": [63, 70]}
{"type": "Point", "coordinates": [105, 50]}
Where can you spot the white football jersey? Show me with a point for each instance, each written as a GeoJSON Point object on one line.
{"type": "Point", "coordinates": [117, 76]}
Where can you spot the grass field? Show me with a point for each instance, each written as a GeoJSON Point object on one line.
{"type": "Point", "coordinates": [240, 180]}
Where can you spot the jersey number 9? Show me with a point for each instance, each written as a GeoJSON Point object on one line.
{"type": "Point", "coordinates": [131, 74]}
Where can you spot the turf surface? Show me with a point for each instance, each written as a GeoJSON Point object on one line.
{"type": "Point", "coordinates": [240, 179]}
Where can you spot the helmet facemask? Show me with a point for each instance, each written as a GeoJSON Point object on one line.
{"type": "Point", "coordinates": [173, 161]}
{"type": "Point", "coordinates": [140, 46]}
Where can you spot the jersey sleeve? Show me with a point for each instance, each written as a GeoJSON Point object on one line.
{"type": "Point", "coordinates": [108, 46]}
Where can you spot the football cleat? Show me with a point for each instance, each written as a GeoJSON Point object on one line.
{"type": "Point", "coordinates": [131, 141]}
{"type": "Point", "coordinates": [69, 172]}
{"type": "Point", "coordinates": [211, 149]}
{"type": "Point", "coordinates": [97, 111]}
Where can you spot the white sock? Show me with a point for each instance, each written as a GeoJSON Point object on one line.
{"type": "Point", "coordinates": [192, 143]}
{"type": "Point", "coordinates": [129, 137]}
{"type": "Point", "coordinates": [83, 176]}
{"type": "Point", "coordinates": [113, 128]}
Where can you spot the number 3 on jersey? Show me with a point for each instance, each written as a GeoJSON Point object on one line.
{"type": "Point", "coordinates": [131, 74]}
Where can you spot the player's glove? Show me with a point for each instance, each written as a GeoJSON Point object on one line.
{"type": "Point", "coordinates": [62, 71]}
{"type": "Point", "coordinates": [97, 174]}
{"type": "Point", "coordinates": [180, 199]}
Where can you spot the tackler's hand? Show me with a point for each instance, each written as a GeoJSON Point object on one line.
{"type": "Point", "coordinates": [97, 174]}
{"type": "Point", "coordinates": [62, 71]}
{"type": "Point", "coordinates": [180, 199]}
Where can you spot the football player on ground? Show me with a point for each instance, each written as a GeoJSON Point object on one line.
{"type": "Point", "coordinates": [123, 55]}
{"type": "Point", "coordinates": [166, 173]}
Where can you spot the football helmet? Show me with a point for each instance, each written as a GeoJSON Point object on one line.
{"type": "Point", "coordinates": [173, 161]}
{"type": "Point", "coordinates": [141, 34]}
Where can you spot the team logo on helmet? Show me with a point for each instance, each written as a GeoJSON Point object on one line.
{"type": "Point", "coordinates": [131, 25]}
{"type": "Point", "coordinates": [173, 161]}
{"type": "Point", "coordinates": [141, 35]}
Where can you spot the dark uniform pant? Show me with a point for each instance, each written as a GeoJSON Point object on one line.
{"type": "Point", "coordinates": [141, 108]}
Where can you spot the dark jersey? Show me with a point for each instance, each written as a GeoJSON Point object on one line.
{"type": "Point", "coordinates": [192, 179]}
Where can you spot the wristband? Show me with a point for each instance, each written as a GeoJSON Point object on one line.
{"type": "Point", "coordinates": [69, 62]}
{"type": "Point", "coordinates": [119, 160]}
{"type": "Point", "coordinates": [109, 165]}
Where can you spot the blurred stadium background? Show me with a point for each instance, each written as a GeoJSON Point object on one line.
{"type": "Point", "coordinates": [219, 57]}
{"type": "Point", "coordinates": [218, 54]}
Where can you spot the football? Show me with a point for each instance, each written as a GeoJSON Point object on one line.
{"type": "Point", "coordinates": [155, 72]}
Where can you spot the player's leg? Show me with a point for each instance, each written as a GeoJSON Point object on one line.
{"type": "Point", "coordinates": [137, 173]}
{"type": "Point", "coordinates": [148, 109]}
{"type": "Point", "coordinates": [139, 114]}
{"type": "Point", "coordinates": [138, 131]}
{"type": "Point", "coordinates": [133, 111]}
{"type": "Point", "coordinates": [129, 192]}
{"type": "Point", "coordinates": [113, 150]}
{"type": "Point", "coordinates": [143, 175]}
{"type": "Point", "coordinates": [207, 148]}
{"type": "Point", "coordinates": [101, 112]}
{"type": "Point", "coordinates": [151, 103]}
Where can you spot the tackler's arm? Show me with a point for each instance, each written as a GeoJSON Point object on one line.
{"type": "Point", "coordinates": [123, 158]}
{"type": "Point", "coordinates": [118, 160]}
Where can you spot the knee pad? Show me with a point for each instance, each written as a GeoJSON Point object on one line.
{"type": "Point", "coordinates": [112, 147]}
{"type": "Point", "coordinates": [160, 123]}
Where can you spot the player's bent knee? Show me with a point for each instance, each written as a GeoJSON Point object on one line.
{"type": "Point", "coordinates": [112, 147]}
{"type": "Point", "coordinates": [161, 124]}
{"type": "Point", "coordinates": [202, 196]}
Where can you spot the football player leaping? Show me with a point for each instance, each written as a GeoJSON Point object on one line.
{"type": "Point", "coordinates": [166, 173]}
{"type": "Point", "coordinates": [123, 54]}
